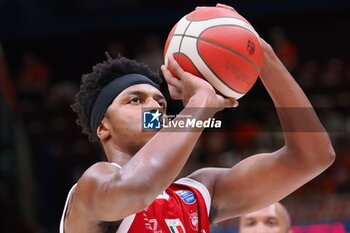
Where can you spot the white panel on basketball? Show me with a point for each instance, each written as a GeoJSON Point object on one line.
{"type": "Point", "coordinates": [188, 47]}
{"type": "Point", "coordinates": [181, 26]}
{"type": "Point", "coordinates": [197, 27]}
{"type": "Point", "coordinates": [173, 48]}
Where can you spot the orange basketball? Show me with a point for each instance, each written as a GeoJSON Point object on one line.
{"type": "Point", "coordinates": [219, 45]}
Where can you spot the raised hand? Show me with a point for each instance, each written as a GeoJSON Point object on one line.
{"type": "Point", "coordinates": [185, 86]}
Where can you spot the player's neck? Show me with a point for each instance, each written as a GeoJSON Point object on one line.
{"type": "Point", "coordinates": [119, 159]}
{"type": "Point", "coordinates": [116, 155]}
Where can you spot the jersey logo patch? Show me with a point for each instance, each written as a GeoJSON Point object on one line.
{"type": "Point", "coordinates": [194, 220]}
{"type": "Point", "coordinates": [187, 196]}
{"type": "Point", "coordinates": [175, 225]}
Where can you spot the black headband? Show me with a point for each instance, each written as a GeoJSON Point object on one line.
{"type": "Point", "coordinates": [109, 92]}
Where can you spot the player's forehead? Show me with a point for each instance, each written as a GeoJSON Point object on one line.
{"type": "Point", "coordinates": [141, 89]}
{"type": "Point", "coordinates": [268, 212]}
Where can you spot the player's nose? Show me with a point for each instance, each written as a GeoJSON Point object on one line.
{"type": "Point", "coordinates": [260, 228]}
{"type": "Point", "coordinates": [153, 104]}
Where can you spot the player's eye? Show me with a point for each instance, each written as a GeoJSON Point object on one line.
{"type": "Point", "coordinates": [162, 104]}
{"type": "Point", "coordinates": [134, 100]}
{"type": "Point", "coordinates": [249, 223]}
{"type": "Point", "coordinates": [271, 222]}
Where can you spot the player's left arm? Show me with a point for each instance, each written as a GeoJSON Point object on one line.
{"type": "Point", "coordinates": [262, 179]}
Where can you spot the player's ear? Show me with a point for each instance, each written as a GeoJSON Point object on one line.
{"type": "Point", "coordinates": [103, 130]}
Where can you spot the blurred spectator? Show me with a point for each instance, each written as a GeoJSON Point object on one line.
{"type": "Point", "coordinates": [272, 219]}
{"type": "Point", "coordinates": [17, 184]}
{"type": "Point", "coordinates": [347, 75]}
{"type": "Point", "coordinates": [320, 228]}
{"type": "Point", "coordinates": [284, 48]}
{"type": "Point", "coordinates": [34, 75]}
{"type": "Point", "coordinates": [333, 73]}
{"type": "Point", "coordinates": [6, 86]}
{"type": "Point", "coordinates": [307, 75]}
{"type": "Point", "coordinates": [244, 136]}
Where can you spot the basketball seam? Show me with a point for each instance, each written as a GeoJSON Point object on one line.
{"type": "Point", "coordinates": [221, 46]}
{"type": "Point", "coordinates": [235, 52]}
{"type": "Point", "coordinates": [250, 28]}
{"type": "Point", "coordinates": [191, 63]}
{"type": "Point", "coordinates": [214, 43]}
{"type": "Point", "coordinates": [216, 75]}
{"type": "Point", "coordinates": [222, 81]}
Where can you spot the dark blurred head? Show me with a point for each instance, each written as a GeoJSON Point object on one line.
{"type": "Point", "coordinates": [272, 219]}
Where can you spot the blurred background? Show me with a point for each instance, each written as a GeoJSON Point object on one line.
{"type": "Point", "coordinates": [47, 45]}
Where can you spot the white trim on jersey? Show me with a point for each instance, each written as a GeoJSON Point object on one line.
{"type": "Point", "coordinates": [117, 165]}
{"type": "Point", "coordinates": [200, 187]}
{"type": "Point", "coordinates": [65, 208]}
{"type": "Point", "coordinates": [126, 224]}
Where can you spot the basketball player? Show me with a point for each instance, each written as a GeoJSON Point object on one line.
{"type": "Point", "coordinates": [272, 219]}
{"type": "Point", "coordinates": [135, 190]}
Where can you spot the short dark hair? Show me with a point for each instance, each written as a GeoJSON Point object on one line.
{"type": "Point", "coordinates": [102, 74]}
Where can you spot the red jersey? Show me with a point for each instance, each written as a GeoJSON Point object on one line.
{"type": "Point", "coordinates": [182, 208]}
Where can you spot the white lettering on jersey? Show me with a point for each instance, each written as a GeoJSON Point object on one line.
{"type": "Point", "coordinates": [154, 224]}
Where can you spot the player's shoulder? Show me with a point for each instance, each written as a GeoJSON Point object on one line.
{"type": "Point", "coordinates": [100, 168]}
{"type": "Point", "coordinates": [81, 198]}
{"type": "Point", "coordinates": [94, 176]}
{"type": "Point", "coordinates": [97, 171]}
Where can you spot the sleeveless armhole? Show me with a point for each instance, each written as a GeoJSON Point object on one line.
{"type": "Point", "coordinates": [200, 187]}
{"type": "Point", "coordinates": [127, 221]}
{"type": "Point", "coordinates": [117, 165]}
{"type": "Point", "coordinates": [126, 224]}
{"type": "Point", "coordinates": [67, 201]}
{"type": "Point", "coordinates": [65, 208]}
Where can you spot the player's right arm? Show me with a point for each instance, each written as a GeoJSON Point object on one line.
{"type": "Point", "coordinates": [108, 193]}
{"type": "Point", "coordinates": [263, 179]}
